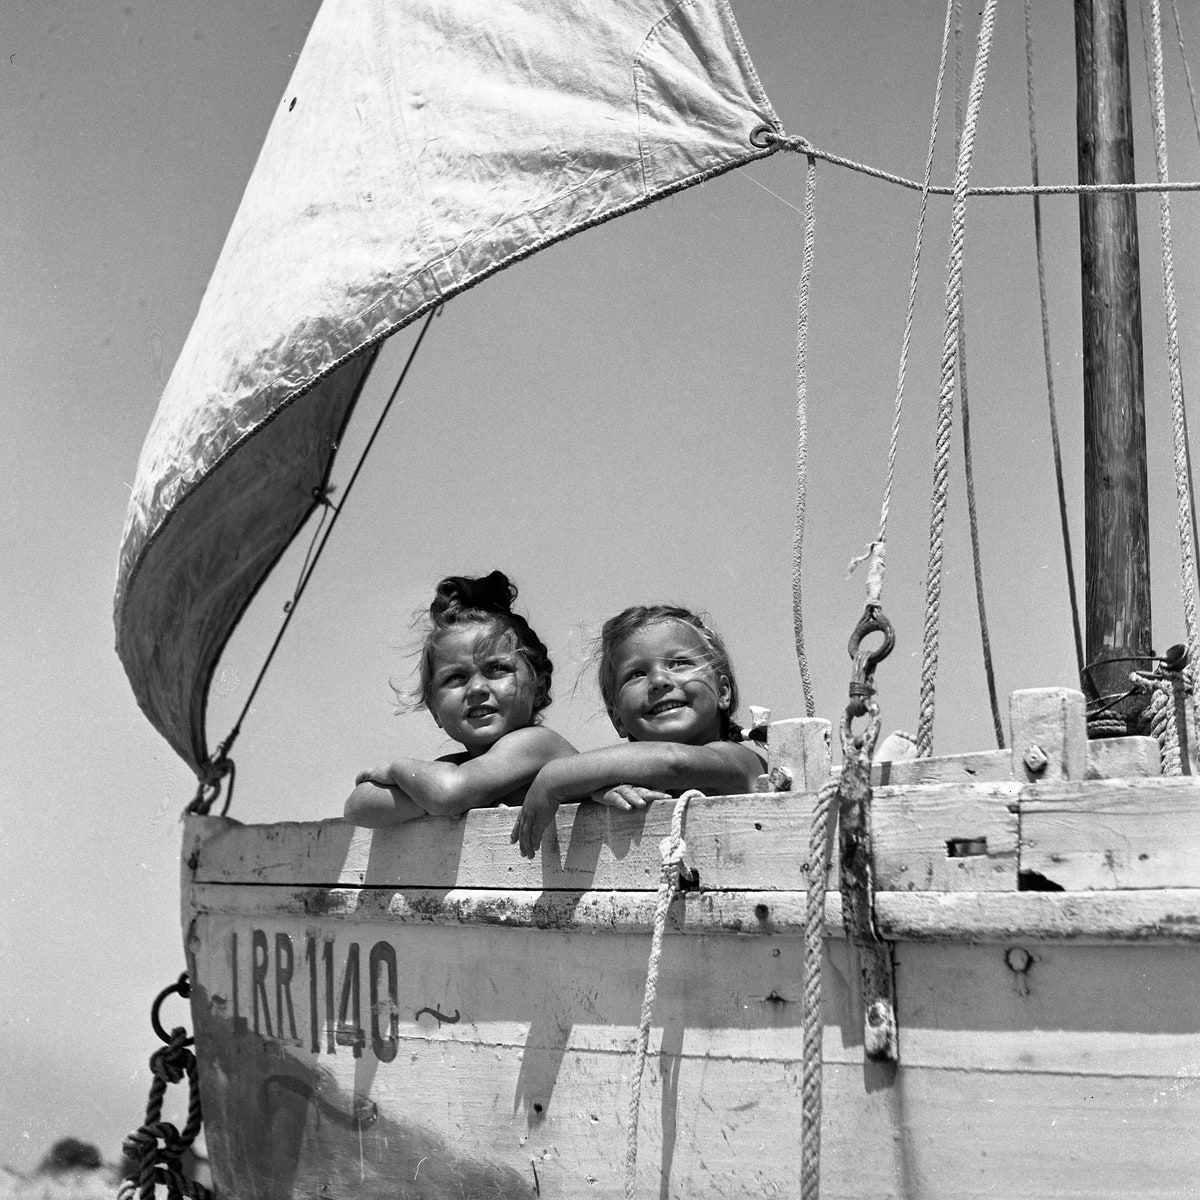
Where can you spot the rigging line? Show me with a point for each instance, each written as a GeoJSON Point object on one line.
{"type": "Point", "coordinates": [747, 176]}
{"type": "Point", "coordinates": [906, 340]}
{"type": "Point", "coordinates": [810, 208]}
{"type": "Point", "coordinates": [801, 145]}
{"type": "Point", "coordinates": [1187, 437]}
{"type": "Point", "coordinates": [223, 749]}
{"type": "Point", "coordinates": [933, 577]}
{"type": "Point", "coordinates": [1056, 444]}
{"type": "Point", "coordinates": [1183, 486]}
{"type": "Point", "coordinates": [1187, 70]}
{"type": "Point", "coordinates": [989, 670]}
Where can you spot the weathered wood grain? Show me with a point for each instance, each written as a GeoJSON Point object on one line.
{"type": "Point", "coordinates": [495, 1053]}
{"type": "Point", "coordinates": [1163, 915]}
{"type": "Point", "coordinates": [1138, 833]}
{"type": "Point", "coordinates": [1119, 758]}
{"type": "Point", "coordinates": [801, 746]}
{"type": "Point", "coordinates": [756, 841]}
{"type": "Point", "coordinates": [946, 838]}
{"type": "Point", "coordinates": [1049, 734]}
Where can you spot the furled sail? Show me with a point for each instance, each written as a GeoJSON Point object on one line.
{"type": "Point", "coordinates": [421, 146]}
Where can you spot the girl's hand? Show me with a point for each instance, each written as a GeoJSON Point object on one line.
{"type": "Point", "coordinates": [626, 797]}
{"type": "Point", "coordinates": [535, 816]}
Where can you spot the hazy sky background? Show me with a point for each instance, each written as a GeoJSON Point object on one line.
{"type": "Point", "coordinates": [610, 422]}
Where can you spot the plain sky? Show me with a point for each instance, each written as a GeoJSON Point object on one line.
{"type": "Point", "coordinates": [610, 422]}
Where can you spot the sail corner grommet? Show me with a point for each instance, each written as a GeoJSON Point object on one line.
{"type": "Point", "coordinates": [763, 136]}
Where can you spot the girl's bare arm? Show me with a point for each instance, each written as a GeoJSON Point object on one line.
{"type": "Point", "coordinates": [718, 768]}
{"type": "Point", "coordinates": [450, 788]}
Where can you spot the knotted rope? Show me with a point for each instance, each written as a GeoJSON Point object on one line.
{"type": "Point", "coordinates": [163, 1165]}
{"type": "Point", "coordinates": [673, 849]}
{"type": "Point", "coordinates": [817, 878]}
{"type": "Point", "coordinates": [933, 577]}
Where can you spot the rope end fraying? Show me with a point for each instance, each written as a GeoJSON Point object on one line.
{"type": "Point", "coordinates": [876, 553]}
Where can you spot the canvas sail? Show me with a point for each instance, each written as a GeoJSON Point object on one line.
{"type": "Point", "coordinates": [421, 145]}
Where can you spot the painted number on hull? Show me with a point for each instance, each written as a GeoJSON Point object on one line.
{"type": "Point", "coordinates": [334, 1006]}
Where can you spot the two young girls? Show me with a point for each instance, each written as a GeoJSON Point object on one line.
{"type": "Point", "coordinates": [666, 681]}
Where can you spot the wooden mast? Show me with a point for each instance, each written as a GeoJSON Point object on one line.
{"type": "Point", "coordinates": [1116, 528]}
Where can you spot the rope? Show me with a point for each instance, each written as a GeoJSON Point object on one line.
{"type": "Point", "coordinates": [814, 943]}
{"type": "Point", "coordinates": [1170, 713]}
{"type": "Point", "coordinates": [1187, 70]}
{"type": "Point", "coordinates": [221, 764]}
{"type": "Point", "coordinates": [672, 849]}
{"type": "Point", "coordinates": [801, 145]}
{"type": "Point", "coordinates": [1047, 356]}
{"type": "Point", "coordinates": [163, 1166]}
{"type": "Point", "coordinates": [1183, 489]}
{"type": "Point", "coordinates": [878, 548]}
{"type": "Point", "coordinates": [933, 579]}
{"type": "Point", "coordinates": [968, 458]}
{"type": "Point", "coordinates": [810, 208]}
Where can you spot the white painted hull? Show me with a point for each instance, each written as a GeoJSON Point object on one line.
{"type": "Point", "coordinates": [496, 1002]}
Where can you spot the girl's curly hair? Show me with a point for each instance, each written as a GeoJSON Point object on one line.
{"type": "Point", "coordinates": [482, 600]}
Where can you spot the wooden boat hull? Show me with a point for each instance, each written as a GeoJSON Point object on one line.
{"type": "Point", "coordinates": [418, 1012]}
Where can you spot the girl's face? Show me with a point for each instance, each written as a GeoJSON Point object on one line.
{"type": "Point", "coordinates": [479, 688]}
{"type": "Point", "coordinates": [666, 691]}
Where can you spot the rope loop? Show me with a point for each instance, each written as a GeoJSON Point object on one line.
{"type": "Point", "coordinates": [212, 772]}
{"type": "Point", "coordinates": [862, 682]}
{"type": "Point", "coordinates": [673, 848]}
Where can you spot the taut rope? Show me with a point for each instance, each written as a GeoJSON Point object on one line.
{"type": "Point", "coordinates": [810, 208]}
{"type": "Point", "coordinates": [933, 579]}
{"type": "Point", "coordinates": [1178, 413]}
{"type": "Point", "coordinates": [1049, 360]}
{"type": "Point", "coordinates": [968, 458]}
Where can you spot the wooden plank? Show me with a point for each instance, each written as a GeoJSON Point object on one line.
{"type": "Point", "coordinates": [492, 1054]}
{"type": "Point", "coordinates": [1136, 833]}
{"type": "Point", "coordinates": [1108, 758]}
{"type": "Point", "coordinates": [801, 748]}
{"type": "Point", "coordinates": [756, 842]}
{"type": "Point", "coordinates": [1154, 915]}
{"type": "Point", "coordinates": [1118, 758]}
{"type": "Point", "coordinates": [980, 766]}
{"type": "Point", "coordinates": [1049, 734]}
{"type": "Point", "coordinates": [946, 838]}
{"type": "Point", "coordinates": [1159, 915]}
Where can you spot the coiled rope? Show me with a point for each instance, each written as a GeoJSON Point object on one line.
{"type": "Point", "coordinates": [672, 849]}
{"type": "Point", "coordinates": [933, 578]}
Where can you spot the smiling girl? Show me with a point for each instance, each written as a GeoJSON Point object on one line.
{"type": "Point", "coordinates": [485, 678]}
{"type": "Point", "coordinates": [669, 689]}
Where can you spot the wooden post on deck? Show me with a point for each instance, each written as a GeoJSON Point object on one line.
{"type": "Point", "coordinates": [1116, 532]}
